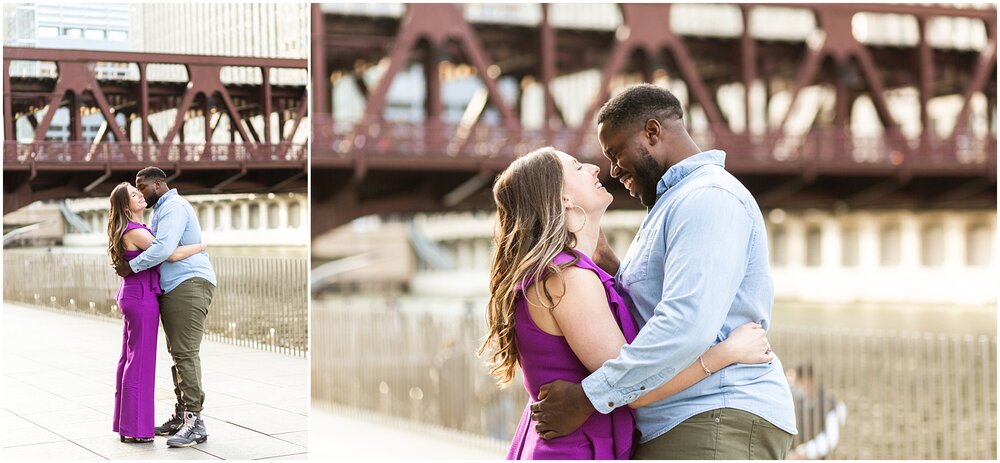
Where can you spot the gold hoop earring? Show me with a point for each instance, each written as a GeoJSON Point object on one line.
{"type": "Point", "coordinates": [575, 206]}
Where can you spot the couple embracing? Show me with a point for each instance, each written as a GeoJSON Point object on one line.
{"type": "Point", "coordinates": [664, 354]}
{"type": "Point", "coordinates": [166, 275]}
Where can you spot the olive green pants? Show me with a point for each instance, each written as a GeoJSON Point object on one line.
{"type": "Point", "coordinates": [182, 312]}
{"type": "Point", "coordinates": [723, 434]}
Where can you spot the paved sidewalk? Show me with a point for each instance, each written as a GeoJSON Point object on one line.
{"type": "Point", "coordinates": [58, 394]}
{"type": "Point", "coordinates": [344, 434]}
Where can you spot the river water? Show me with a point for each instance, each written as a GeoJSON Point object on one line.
{"type": "Point", "coordinates": [958, 320]}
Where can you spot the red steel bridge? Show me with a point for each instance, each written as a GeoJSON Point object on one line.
{"type": "Point", "coordinates": [374, 165]}
{"type": "Point", "coordinates": [36, 167]}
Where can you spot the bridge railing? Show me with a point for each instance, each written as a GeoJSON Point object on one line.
{"type": "Point", "coordinates": [826, 147]}
{"type": "Point", "coordinates": [68, 152]}
{"type": "Point", "coordinates": [907, 395]}
{"type": "Point", "coordinates": [261, 302]}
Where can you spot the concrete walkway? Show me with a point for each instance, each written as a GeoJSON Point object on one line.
{"type": "Point", "coordinates": [344, 434]}
{"type": "Point", "coordinates": [58, 394]}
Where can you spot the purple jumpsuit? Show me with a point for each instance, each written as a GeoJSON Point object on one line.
{"type": "Point", "coordinates": [134, 386]}
{"type": "Point", "coordinates": [545, 358]}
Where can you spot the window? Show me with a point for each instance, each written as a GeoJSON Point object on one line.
{"type": "Point", "coordinates": [217, 223]}
{"type": "Point", "coordinates": [120, 36]}
{"type": "Point", "coordinates": [94, 34]}
{"type": "Point", "coordinates": [850, 251]}
{"type": "Point", "coordinates": [779, 247]}
{"type": "Point", "coordinates": [889, 246]}
{"type": "Point", "coordinates": [294, 215]}
{"type": "Point", "coordinates": [236, 216]}
{"type": "Point", "coordinates": [203, 216]}
{"type": "Point", "coordinates": [73, 32]}
{"type": "Point", "coordinates": [47, 31]}
{"type": "Point", "coordinates": [273, 219]}
{"type": "Point", "coordinates": [814, 247]}
{"type": "Point", "coordinates": [254, 216]}
{"type": "Point", "coordinates": [978, 245]}
{"type": "Point", "coordinates": [932, 246]}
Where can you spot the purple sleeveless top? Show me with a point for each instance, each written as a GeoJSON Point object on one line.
{"type": "Point", "coordinates": [146, 281]}
{"type": "Point", "coordinates": [545, 358]}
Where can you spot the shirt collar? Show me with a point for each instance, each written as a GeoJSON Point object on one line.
{"type": "Point", "coordinates": [168, 194]}
{"type": "Point", "coordinates": [682, 169]}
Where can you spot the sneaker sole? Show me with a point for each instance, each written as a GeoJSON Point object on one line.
{"type": "Point", "coordinates": [166, 433]}
{"type": "Point", "coordinates": [200, 440]}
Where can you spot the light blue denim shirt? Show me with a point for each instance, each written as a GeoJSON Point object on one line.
{"type": "Point", "coordinates": [697, 269]}
{"type": "Point", "coordinates": [174, 223]}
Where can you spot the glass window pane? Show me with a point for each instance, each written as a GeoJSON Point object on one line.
{"type": "Point", "coordinates": [978, 246]}
{"type": "Point", "coordinates": [850, 251]}
{"type": "Point", "coordinates": [273, 220]}
{"type": "Point", "coordinates": [814, 247]}
{"type": "Point", "coordinates": [294, 215]}
{"type": "Point", "coordinates": [218, 218]}
{"type": "Point", "coordinates": [889, 246]}
{"type": "Point", "coordinates": [779, 247]}
{"type": "Point", "coordinates": [236, 217]}
{"type": "Point", "coordinates": [932, 246]}
{"type": "Point", "coordinates": [254, 216]}
{"type": "Point", "coordinates": [48, 31]}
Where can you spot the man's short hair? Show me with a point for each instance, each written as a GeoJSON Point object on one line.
{"type": "Point", "coordinates": [640, 103]}
{"type": "Point", "coordinates": [152, 173]}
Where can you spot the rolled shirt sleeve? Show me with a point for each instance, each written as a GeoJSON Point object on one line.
{"type": "Point", "coordinates": [170, 228]}
{"type": "Point", "coordinates": [707, 238]}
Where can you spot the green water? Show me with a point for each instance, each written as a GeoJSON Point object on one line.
{"type": "Point", "coordinates": [913, 318]}
{"type": "Point", "coordinates": [785, 314]}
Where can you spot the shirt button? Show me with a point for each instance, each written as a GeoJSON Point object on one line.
{"type": "Point", "coordinates": [611, 404]}
{"type": "Point", "coordinates": [716, 420]}
{"type": "Point", "coordinates": [642, 388]}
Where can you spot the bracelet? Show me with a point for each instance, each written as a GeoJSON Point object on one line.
{"type": "Point", "coordinates": [703, 367]}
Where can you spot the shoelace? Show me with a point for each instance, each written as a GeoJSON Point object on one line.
{"type": "Point", "coordinates": [187, 429]}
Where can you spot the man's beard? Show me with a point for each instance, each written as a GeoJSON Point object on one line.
{"type": "Point", "coordinates": [647, 173]}
{"type": "Point", "coordinates": [151, 200]}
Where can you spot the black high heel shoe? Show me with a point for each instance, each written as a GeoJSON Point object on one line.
{"type": "Point", "coordinates": [136, 440]}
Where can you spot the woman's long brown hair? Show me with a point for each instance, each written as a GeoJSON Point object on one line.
{"type": "Point", "coordinates": [118, 217]}
{"type": "Point", "coordinates": [530, 231]}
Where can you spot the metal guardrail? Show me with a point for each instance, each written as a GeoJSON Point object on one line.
{"type": "Point", "coordinates": [261, 302]}
{"type": "Point", "coordinates": [826, 147]}
{"type": "Point", "coordinates": [908, 395]}
{"type": "Point", "coordinates": [72, 152]}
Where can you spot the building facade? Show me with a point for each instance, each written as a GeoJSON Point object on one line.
{"type": "Point", "coordinates": [930, 258]}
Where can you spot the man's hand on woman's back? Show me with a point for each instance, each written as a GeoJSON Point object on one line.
{"type": "Point", "coordinates": [562, 408]}
{"type": "Point", "coordinates": [123, 269]}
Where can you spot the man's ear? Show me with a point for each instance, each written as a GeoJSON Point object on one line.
{"type": "Point", "coordinates": [653, 131]}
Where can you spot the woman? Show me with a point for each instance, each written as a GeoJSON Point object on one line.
{"type": "Point", "coordinates": [557, 315]}
{"type": "Point", "coordinates": [127, 238]}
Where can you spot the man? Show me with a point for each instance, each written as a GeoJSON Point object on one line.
{"type": "Point", "coordinates": [820, 416]}
{"type": "Point", "coordinates": [697, 269]}
{"type": "Point", "coordinates": [188, 286]}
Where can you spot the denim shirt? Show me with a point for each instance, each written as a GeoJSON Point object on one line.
{"type": "Point", "coordinates": [174, 223]}
{"type": "Point", "coordinates": [697, 269]}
